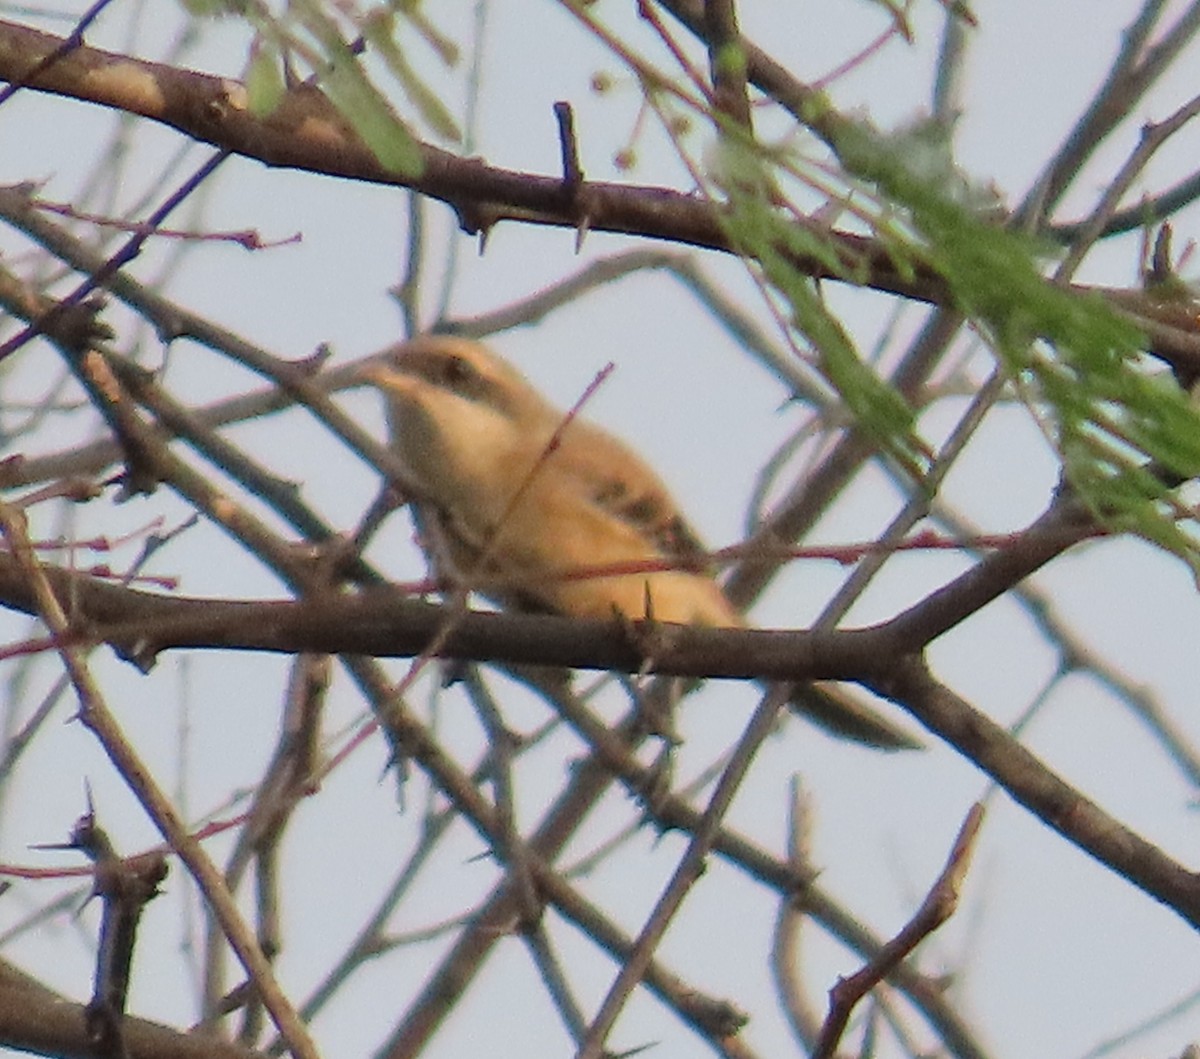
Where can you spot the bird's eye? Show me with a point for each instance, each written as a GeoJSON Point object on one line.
{"type": "Point", "coordinates": [458, 373]}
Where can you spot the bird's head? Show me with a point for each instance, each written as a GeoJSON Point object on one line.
{"type": "Point", "coordinates": [459, 413]}
{"type": "Point", "coordinates": [448, 376]}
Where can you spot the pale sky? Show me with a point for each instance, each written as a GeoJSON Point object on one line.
{"type": "Point", "coordinates": [1051, 953]}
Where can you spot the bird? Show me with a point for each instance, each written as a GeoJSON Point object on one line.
{"type": "Point", "coordinates": [522, 500]}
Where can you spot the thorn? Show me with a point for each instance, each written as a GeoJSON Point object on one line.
{"type": "Point", "coordinates": [572, 171]}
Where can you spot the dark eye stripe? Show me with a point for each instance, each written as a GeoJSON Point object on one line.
{"type": "Point", "coordinates": [451, 371]}
{"type": "Point", "coordinates": [459, 375]}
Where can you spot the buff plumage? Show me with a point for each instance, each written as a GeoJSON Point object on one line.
{"type": "Point", "coordinates": [522, 496]}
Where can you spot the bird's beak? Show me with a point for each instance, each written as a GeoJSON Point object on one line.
{"type": "Point", "coordinates": [389, 378]}
{"type": "Point", "coordinates": [374, 374]}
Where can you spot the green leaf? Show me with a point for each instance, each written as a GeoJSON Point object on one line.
{"type": "Point", "coordinates": [777, 242]}
{"type": "Point", "coordinates": [373, 118]}
{"type": "Point", "coordinates": [358, 100]}
{"type": "Point", "coordinates": [265, 88]}
{"type": "Point", "coordinates": [379, 31]}
{"type": "Point", "coordinates": [1126, 439]}
{"type": "Point", "coordinates": [213, 8]}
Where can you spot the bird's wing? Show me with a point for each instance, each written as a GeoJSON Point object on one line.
{"type": "Point", "coordinates": [635, 495]}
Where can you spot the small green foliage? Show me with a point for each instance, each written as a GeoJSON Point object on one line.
{"type": "Point", "coordinates": [446, 49]}
{"type": "Point", "coordinates": [379, 31]}
{"type": "Point", "coordinates": [213, 8]}
{"type": "Point", "coordinates": [1126, 438]}
{"type": "Point", "coordinates": [778, 244]}
{"type": "Point", "coordinates": [357, 99]}
{"type": "Point", "coordinates": [265, 88]}
{"type": "Point", "coordinates": [360, 103]}
{"type": "Point", "coordinates": [731, 59]}
{"type": "Point", "coordinates": [316, 35]}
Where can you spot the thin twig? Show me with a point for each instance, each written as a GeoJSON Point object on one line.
{"type": "Point", "coordinates": [938, 906]}
{"type": "Point", "coordinates": [95, 715]}
{"type": "Point", "coordinates": [686, 872]}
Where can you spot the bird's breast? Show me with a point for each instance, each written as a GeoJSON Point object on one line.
{"type": "Point", "coordinates": [471, 460]}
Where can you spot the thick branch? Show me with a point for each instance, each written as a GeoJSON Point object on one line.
{"type": "Point", "coordinates": [387, 623]}
{"type": "Point", "coordinates": [35, 1019]}
{"type": "Point", "coordinates": [1056, 803]}
{"type": "Point", "coordinates": [306, 132]}
{"type": "Point", "coordinates": [1064, 524]}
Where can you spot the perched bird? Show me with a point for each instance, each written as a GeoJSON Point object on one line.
{"type": "Point", "coordinates": [521, 496]}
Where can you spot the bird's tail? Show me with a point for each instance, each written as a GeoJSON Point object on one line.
{"type": "Point", "coordinates": [842, 713]}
